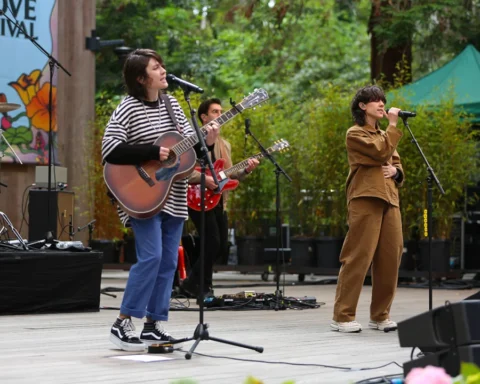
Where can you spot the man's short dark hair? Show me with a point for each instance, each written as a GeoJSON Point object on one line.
{"type": "Point", "coordinates": [135, 67]}
{"type": "Point", "coordinates": [365, 95]}
{"type": "Point", "coordinates": [204, 107]}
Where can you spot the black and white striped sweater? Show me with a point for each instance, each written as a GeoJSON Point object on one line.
{"type": "Point", "coordinates": [138, 124]}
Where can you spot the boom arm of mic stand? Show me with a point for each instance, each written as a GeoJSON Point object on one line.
{"type": "Point", "coordinates": [204, 149]}
{"type": "Point", "coordinates": [40, 48]}
{"type": "Point", "coordinates": [429, 168]}
{"type": "Point", "coordinates": [269, 156]}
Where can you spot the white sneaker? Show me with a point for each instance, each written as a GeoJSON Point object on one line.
{"type": "Point", "coordinates": [347, 327]}
{"type": "Point", "coordinates": [388, 325]}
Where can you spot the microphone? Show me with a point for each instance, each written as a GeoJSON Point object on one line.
{"type": "Point", "coordinates": [404, 114]}
{"type": "Point", "coordinates": [184, 84]}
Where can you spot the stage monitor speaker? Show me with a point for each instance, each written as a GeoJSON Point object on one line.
{"type": "Point", "coordinates": [446, 335]}
{"type": "Point", "coordinates": [475, 296]}
{"type": "Point", "coordinates": [450, 359]}
{"type": "Point", "coordinates": [61, 214]}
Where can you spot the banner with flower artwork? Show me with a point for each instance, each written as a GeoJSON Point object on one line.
{"type": "Point", "coordinates": [25, 80]}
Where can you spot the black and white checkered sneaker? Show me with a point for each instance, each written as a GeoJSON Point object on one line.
{"type": "Point", "coordinates": [154, 333]}
{"type": "Point", "coordinates": [123, 335]}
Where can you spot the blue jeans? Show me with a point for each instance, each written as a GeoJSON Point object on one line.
{"type": "Point", "coordinates": [150, 281]}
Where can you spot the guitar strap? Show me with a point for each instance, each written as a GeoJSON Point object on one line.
{"type": "Point", "coordinates": [168, 105]}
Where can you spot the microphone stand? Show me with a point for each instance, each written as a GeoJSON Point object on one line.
{"type": "Point", "coordinates": [430, 177]}
{"type": "Point", "coordinates": [52, 63]}
{"type": "Point", "coordinates": [278, 170]}
{"type": "Point", "coordinates": [201, 331]}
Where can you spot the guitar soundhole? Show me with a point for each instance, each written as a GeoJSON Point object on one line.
{"type": "Point", "coordinates": [171, 160]}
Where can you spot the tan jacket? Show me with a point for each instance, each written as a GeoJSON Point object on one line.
{"type": "Point", "coordinates": [222, 149]}
{"type": "Point", "coordinates": [369, 148]}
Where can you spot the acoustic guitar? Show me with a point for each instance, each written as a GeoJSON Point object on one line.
{"type": "Point", "coordinates": [142, 190]}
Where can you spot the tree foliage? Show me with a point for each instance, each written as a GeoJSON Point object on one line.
{"type": "Point", "coordinates": [311, 56]}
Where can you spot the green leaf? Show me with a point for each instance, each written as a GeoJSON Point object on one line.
{"type": "Point", "coordinates": [20, 135]}
{"type": "Point", "coordinates": [469, 369]}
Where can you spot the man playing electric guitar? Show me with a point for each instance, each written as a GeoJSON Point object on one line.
{"type": "Point", "coordinates": [216, 221]}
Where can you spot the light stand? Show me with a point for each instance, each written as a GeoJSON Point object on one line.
{"type": "Point", "coordinates": [278, 170]}
{"type": "Point", "coordinates": [201, 331]}
{"type": "Point", "coordinates": [430, 177]}
{"type": "Point", "coordinates": [52, 63]}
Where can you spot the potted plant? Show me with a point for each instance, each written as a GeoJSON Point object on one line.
{"type": "Point", "coordinates": [318, 196]}
{"type": "Point", "coordinates": [108, 229]}
{"type": "Point", "coordinates": [446, 139]}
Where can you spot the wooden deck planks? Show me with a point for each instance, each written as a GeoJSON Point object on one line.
{"type": "Point", "coordinates": [74, 348]}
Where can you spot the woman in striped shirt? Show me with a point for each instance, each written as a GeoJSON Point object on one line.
{"type": "Point", "coordinates": [136, 123]}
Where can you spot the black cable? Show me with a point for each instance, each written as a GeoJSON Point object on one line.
{"type": "Point", "coordinates": [266, 302]}
{"type": "Point", "coordinates": [63, 230]}
{"type": "Point", "coordinates": [411, 353]}
{"type": "Point", "coordinates": [24, 207]}
{"type": "Point", "coordinates": [299, 364]}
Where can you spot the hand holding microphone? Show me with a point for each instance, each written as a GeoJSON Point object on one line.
{"type": "Point", "coordinates": [402, 114]}
{"type": "Point", "coordinates": [392, 114]}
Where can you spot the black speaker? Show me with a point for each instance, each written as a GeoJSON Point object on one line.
{"type": "Point", "coordinates": [447, 335]}
{"type": "Point", "coordinates": [475, 296]}
{"type": "Point", "coordinates": [61, 214]}
{"type": "Point", "coordinates": [449, 359]}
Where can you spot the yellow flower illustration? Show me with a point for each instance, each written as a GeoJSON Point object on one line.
{"type": "Point", "coordinates": [27, 85]}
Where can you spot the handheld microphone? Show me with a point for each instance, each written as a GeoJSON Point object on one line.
{"type": "Point", "coordinates": [404, 114]}
{"type": "Point", "coordinates": [184, 84]}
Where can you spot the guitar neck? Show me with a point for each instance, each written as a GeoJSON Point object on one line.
{"type": "Point", "coordinates": [243, 164]}
{"type": "Point", "coordinates": [190, 141]}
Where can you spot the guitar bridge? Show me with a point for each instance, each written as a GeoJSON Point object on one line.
{"type": "Point", "coordinates": [145, 176]}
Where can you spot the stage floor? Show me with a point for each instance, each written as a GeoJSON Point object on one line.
{"type": "Point", "coordinates": [74, 347]}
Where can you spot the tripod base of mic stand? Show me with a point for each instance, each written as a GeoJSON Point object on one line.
{"type": "Point", "coordinates": [201, 333]}
{"type": "Point", "coordinates": [279, 302]}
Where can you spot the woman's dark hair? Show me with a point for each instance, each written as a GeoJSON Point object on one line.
{"type": "Point", "coordinates": [205, 106]}
{"type": "Point", "coordinates": [365, 95]}
{"type": "Point", "coordinates": [135, 67]}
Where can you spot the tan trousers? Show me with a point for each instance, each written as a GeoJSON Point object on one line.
{"type": "Point", "coordinates": [374, 238]}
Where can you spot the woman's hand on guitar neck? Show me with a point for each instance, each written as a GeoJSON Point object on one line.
{"type": "Point", "coordinates": [213, 129]}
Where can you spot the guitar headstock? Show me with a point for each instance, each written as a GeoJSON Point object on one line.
{"type": "Point", "coordinates": [280, 146]}
{"type": "Point", "coordinates": [255, 98]}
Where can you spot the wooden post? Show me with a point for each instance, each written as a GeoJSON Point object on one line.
{"type": "Point", "coordinates": [75, 111]}
{"type": "Point", "coordinates": [76, 100]}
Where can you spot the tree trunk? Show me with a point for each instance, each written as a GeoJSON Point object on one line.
{"type": "Point", "coordinates": [390, 58]}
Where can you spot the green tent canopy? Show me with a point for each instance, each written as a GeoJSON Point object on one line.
{"type": "Point", "coordinates": [460, 76]}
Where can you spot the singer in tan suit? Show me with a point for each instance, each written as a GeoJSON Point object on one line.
{"type": "Point", "coordinates": [374, 238]}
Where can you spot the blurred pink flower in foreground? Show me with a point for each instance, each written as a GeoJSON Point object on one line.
{"type": "Point", "coordinates": [428, 375]}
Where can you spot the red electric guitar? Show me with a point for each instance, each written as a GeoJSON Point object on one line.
{"type": "Point", "coordinates": [212, 198]}
{"type": "Point", "coordinates": [142, 190]}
